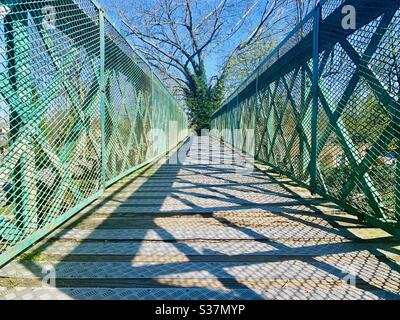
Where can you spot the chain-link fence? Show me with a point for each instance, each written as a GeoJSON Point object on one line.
{"type": "Point", "coordinates": [325, 107]}
{"type": "Point", "coordinates": [79, 109]}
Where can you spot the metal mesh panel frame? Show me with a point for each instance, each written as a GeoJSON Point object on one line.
{"type": "Point", "coordinates": [327, 108]}
{"type": "Point", "coordinates": [78, 107]}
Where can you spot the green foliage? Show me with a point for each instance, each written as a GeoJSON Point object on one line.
{"type": "Point", "coordinates": [202, 101]}
{"type": "Point", "coordinates": [366, 120]}
{"type": "Point", "coordinates": [382, 176]}
{"type": "Point", "coordinates": [245, 61]}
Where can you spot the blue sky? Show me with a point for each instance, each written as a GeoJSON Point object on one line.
{"type": "Point", "coordinates": [215, 59]}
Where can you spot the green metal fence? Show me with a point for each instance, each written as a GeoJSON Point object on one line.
{"type": "Point", "coordinates": [325, 107]}
{"type": "Point", "coordinates": [79, 109]}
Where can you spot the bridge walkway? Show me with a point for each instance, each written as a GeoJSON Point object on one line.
{"type": "Point", "coordinates": [207, 228]}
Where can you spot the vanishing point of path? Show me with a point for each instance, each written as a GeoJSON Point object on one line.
{"type": "Point", "coordinates": [204, 229]}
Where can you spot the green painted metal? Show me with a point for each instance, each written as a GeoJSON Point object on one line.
{"type": "Point", "coordinates": [102, 100]}
{"type": "Point", "coordinates": [315, 91]}
{"type": "Point", "coordinates": [79, 109]}
{"type": "Point", "coordinates": [329, 108]}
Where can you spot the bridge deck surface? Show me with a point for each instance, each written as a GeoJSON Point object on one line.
{"type": "Point", "coordinates": [206, 230]}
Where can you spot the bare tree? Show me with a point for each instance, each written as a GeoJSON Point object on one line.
{"type": "Point", "coordinates": [177, 36]}
{"type": "Point", "coordinates": [303, 8]}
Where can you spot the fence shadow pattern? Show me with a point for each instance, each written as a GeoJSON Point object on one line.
{"type": "Point", "coordinates": [77, 111]}
{"type": "Point", "coordinates": [324, 107]}
{"type": "Point", "coordinates": [206, 230]}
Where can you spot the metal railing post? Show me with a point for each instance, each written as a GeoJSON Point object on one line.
{"type": "Point", "coordinates": [256, 114]}
{"type": "Point", "coordinates": [315, 94]}
{"type": "Point", "coordinates": [153, 142]}
{"type": "Point", "coordinates": [24, 189]}
{"type": "Point", "coordinates": [257, 107]}
{"type": "Point", "coordinates": [233, 122]}
{"type": "Point", "coordinates": [397, 170]}
{"type": "Point", "coordinates": [102, 97]}
{"type": "Point", "coordinates": [397, 184]}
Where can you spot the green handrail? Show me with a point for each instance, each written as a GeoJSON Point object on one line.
{"type": "Point", "coordinates": [327, 107]}
{"type": "Point", "coordinates": [79, 110]}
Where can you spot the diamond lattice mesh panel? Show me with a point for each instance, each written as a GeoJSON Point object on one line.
{"type": "Point", "coordinates": [58, 149]}
{"type": "Point", "coordinates": [354, 111]}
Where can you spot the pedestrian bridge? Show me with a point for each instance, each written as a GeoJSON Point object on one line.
{"type": "Point", "coordinates": [206, 230]}
{"type": "Point", "coordinates": [106, 194]}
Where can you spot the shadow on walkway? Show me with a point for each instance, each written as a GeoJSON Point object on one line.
{"type": "Point", "coordinates": [202, 231]}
